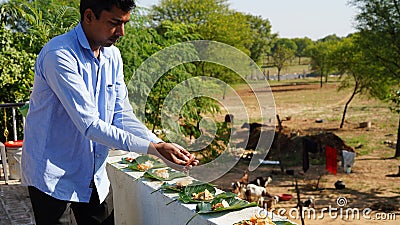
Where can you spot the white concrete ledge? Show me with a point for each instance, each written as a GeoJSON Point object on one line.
{"type": "Point", "coordinates": [137, 202]}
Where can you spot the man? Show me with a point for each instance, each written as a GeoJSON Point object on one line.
{"type": "Point", "coordinates": [79, 108]}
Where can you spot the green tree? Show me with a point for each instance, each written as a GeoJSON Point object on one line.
{"type": "Point", "coordinates": [214, 21]}
{"type": "Point", "coordinates": [282, 53]}
{"type": "Point", "coordinates": [330, 38]}
{"type": "Point", "coordinates": [262, 37]}
{"type": "Point", "coordinates": [16, 68]}
{"type": "Point", "coordinates": [302, 45]}
{"type": "Point", "coordinates": [321, 58]}
{"type": "Point", "coordinates": [141, 42]}
{"type": "Point", "coordinates": [24, 29]}
{"type": "Point", "coordinates": [378, 23]}
{"type": "Point", "coordinates": [39, 20]}
{"type": "Point", "coordinates": [356, 70]}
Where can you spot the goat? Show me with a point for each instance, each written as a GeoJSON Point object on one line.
{"type": "Point", "coordinates": [255, 193]}
{"type": "Point", "coordinates": [245, 178]}
{"type": "Point", "coordinates": [309, 203]}
{"type": "Point", "coordinates": [268, 203]}
{"type": "Point", "coordinates": [262, 181]}
{"type": "Point", "coordinates": [239, 189]}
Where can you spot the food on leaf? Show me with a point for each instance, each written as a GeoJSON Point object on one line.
{"type": "Point", "coordinates": [223, 204]}
{"type": "Point", "coordinates": [204, 195]}
{"type": "Point", "coordinates": [145, 166]}
{"type": "Point", "coordinates": [163, 173]}
{"type": "Point", "coordinates": [143, 163]}
{"type": "Point", "coordinates": [257, 220]}
{"type": "Point", "coordinates": [234, 203]}
{"type": "Point", "coordinates": [183, 182]}
{"type": "Point", "coordinates": [127, 160]}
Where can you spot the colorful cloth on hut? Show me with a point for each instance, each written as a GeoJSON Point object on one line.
{"type": "Point", "coordinates": [331, 162]}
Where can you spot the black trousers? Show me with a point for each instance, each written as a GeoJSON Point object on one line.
{"type": "Point", "coordinates": [51, 211]}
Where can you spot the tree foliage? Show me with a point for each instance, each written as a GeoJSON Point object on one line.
{"type": "Point", "coordinates": [142, 42]}
{"type": "Point", "coordinates": [348, 58]}
{"type": "Point", "coordinates": [321, 58]}
{"type": "Point", "coordinates": [213, 21]}
{"type": "Point", "coordinates": [262, 37]}
{"type": "Point", "coordinates": [39, 20]}
{"type": "Point", "coordinates": [302, 45]}
{"type": "Point", "coordinates": [283, 52]}
{"type": "Point", "coordinates": [378, 22]}
{"type": "Point", "coordinates": [16, 68]}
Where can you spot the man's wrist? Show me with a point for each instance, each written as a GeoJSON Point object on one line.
{"type": "Point", "coordinates": [152, 149]}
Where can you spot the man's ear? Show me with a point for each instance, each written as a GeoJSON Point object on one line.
{"type": "Point", "coordinates": [88, 16]}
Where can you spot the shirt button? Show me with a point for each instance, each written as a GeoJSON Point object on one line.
{"type": "Point", "coordinates": [97, 155]}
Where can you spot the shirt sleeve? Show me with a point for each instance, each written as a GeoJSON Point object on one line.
{"type": "Point", "coordinates": [61, 73]}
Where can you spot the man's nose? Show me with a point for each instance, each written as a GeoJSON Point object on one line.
{"type": "Point", "coordinates": [121, 30]}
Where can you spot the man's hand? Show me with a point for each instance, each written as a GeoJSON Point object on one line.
{"type": "Point", "coordinates": [173, 154]}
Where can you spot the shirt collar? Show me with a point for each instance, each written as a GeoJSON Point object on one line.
{"type": "Point", "coordinates": [85, 43]}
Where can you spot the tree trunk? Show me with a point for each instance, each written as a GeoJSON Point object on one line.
{"type": "Point", "coordinates": [397, 154]}
{"type": "Point", "coordinates": [279, 74]}
{"type": "Point", "coordinates": [322, 74]}
{"type": "Point", "coordinates": [348, 103]}
{"type": "Point", "coordinates": [278, 143]}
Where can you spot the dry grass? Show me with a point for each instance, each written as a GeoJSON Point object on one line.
{"type": "Point", "coordinates": [369, 184]}
{"type": "Point", "coordinates": [306, 101]}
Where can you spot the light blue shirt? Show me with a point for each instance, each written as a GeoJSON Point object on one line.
{"type": "Point", "coordinates": [78, 109]}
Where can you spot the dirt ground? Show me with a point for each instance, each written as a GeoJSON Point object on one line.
{"type": "Point", "coordinates": [372, 183]}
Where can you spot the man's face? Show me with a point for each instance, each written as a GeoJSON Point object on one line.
{"type": "Point", "coordinates": [107, 29]}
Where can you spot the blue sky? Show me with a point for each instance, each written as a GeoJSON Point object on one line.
{"type": "Point", "coordinates": [297, 18]}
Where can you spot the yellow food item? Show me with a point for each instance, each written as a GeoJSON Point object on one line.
{"type": "Point", "coordinates": [263, 220]}
{"type": "Point", "coordinates": [223, 204]}
{"type": "Point", "coordinates": [204, 195]}
{"type": "Point", "coordinates": [253, 220]}
{"type": "Point", "coordinates": [145, 166]}
{"type": "Point", "coordinates": [183, 182]}
{"type": "Point", "coordinates": [257, 220]}
{"type": "Point", "coordinates": [163, 173]}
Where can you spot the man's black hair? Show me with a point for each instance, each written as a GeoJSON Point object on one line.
{"type": "Point", "coordinates": [97, 6]}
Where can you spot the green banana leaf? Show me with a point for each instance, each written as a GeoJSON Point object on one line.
{"type": "Point", "coordinates": [172, 174]}
{"type": "Point", "coordinates": [174, 188]}
{"type": "Point", "coordinates": [234, 204]}
{"type": "Point", "coordinates": [133, 165]}
{"type": "Point", "coordinates": [186, 195]}
{"type": "Point", "coordinates": [170, 188]}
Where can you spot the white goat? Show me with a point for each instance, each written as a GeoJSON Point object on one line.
{"type": "Point", "coordinates": [255, 193]}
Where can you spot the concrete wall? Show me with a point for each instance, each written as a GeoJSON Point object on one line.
{"type": "Point", "coordinates": [136, 203]}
